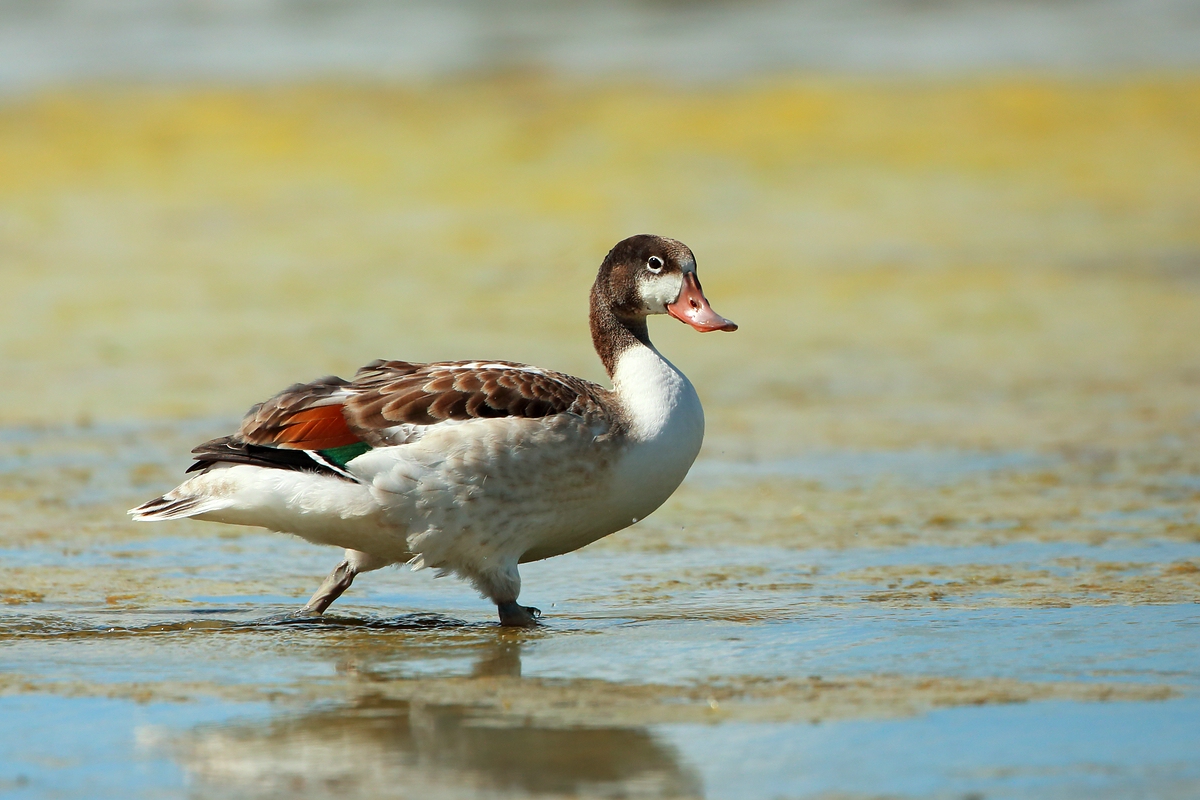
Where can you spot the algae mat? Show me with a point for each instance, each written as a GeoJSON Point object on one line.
{"type": "Point", "coordinates": [942, 541]}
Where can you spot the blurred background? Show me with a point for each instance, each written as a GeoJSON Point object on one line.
{"type": "Point", "coordinates": [953, 453]}
{"type": "Point", "coordinates": [940, 201]}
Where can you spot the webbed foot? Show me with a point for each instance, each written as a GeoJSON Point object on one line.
{"type": "Point", "coordinates": [513, 615]}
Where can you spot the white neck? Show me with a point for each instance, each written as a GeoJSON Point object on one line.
{"type": "Point", "coordinates": [658, 400]}
{"type": "Point", "coordinates": [666, 429]}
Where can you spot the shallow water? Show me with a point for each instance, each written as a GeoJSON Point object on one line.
{"type": "Point", "coordinates": [145, 662]}
{"type": "Point", "coordinates": [943, 539]}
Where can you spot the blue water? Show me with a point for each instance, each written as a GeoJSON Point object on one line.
{"type": "Point", "coordinates": [95, 747]}
{"type": "Point", "coordinates": [1045, 750]}
{"type": "Point", "coordinates": [269, 706]}
{"type": "Point", "coordinates": [101, 748]}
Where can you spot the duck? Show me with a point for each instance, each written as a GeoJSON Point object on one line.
{"type": "Point", "coordinates": [471, 468]}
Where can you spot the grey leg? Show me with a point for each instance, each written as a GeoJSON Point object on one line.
{"type": "Point", "coordinates": [513, 615]}
{"type": "Point", "coordinates": [338, 581]}
{"type": "Point", "coordinates": [502, 583]}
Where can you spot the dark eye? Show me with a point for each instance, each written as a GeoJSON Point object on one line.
{"type": "Point", "coordinates": [654, 264]}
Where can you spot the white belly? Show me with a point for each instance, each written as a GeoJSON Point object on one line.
{"type": "Point", "coordinates": [490, 491]}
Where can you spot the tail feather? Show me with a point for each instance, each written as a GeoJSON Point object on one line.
{"type": "Point", "coordinates": [172, 506]}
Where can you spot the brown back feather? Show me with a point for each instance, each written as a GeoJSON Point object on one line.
{"type": "Point", "coordinates": [390, 393]}
{"type": "Point", "coordinates": [332, 412]}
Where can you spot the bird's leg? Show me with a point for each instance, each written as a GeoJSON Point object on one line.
{"type": "Point", "coordinates": [338, 581]}
{"type": "Point", "coordinates": [502, 583]}
{"type": "Point", "coordinates": [514, 615]}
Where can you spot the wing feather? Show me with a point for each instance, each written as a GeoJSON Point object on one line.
{"type": "Point", "coordinates": [393, 402]}
{"type": "Point", "coordinates": [388, 394]}
{"type": "Point", "coordinates": [306, 416]}
{"type": "Point", "coordinates": [318, 428]}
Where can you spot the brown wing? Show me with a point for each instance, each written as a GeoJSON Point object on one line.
{"type": "Point", "coordinates": [331, 412]}
{"type": "Point", "coordinates": [306, 416]}
{"type": "Point", "coordinates": [303, 417]}
{"type": "Point", "coordinates": [386, 394]}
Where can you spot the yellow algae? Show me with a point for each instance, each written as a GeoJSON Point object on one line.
{"type": "Point", "coordinates": [775, 594]}
{"type": "Point", "coordinates": [588, 703]}
{"type": "Point", "coordinates": [185, 252]}
{"type": "Point", "coordinates": [1120, 503]}
{"type": "Point", "coordinates": [126, 587]}
{"type": "Point", "coordinates": [985, 585]}
{"type": "Point", "coordinates": [987, 266]}
{"type": "Point", "coordinates": [15, 597]}
{"type": "Point", "coordinates": [999, 265]}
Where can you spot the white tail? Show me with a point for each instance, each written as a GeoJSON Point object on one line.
{"type": "Point", "coordinates": [172, 506]}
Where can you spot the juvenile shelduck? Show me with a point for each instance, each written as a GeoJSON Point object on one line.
{"type": "Point", "coordinates": [471, 467]}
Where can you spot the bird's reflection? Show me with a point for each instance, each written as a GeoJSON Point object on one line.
{"type": "Point", "coordinates": [380, 746]}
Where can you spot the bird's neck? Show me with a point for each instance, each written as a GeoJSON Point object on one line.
{"type": "Point", "coordinates": [613, 335]}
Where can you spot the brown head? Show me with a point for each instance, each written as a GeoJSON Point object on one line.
{"type": "Point", "coordinates": [645, 275]}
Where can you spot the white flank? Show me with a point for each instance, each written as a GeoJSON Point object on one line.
{"type": "Point", "coordinates": [319, 508]}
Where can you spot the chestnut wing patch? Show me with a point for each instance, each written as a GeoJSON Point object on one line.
{"type": "Point", "coordinates": [302, 428]}
{"type": "Point", "coordinates": [307, 416]}
{"type": "Point", "coordinates": [389, 393]}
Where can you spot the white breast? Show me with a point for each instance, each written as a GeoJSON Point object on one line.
{"type": "Point", "coordinates": [666, 431]}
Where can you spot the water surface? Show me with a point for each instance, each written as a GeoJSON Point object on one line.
{"type": "Point", "coordinates": [942, 541]}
